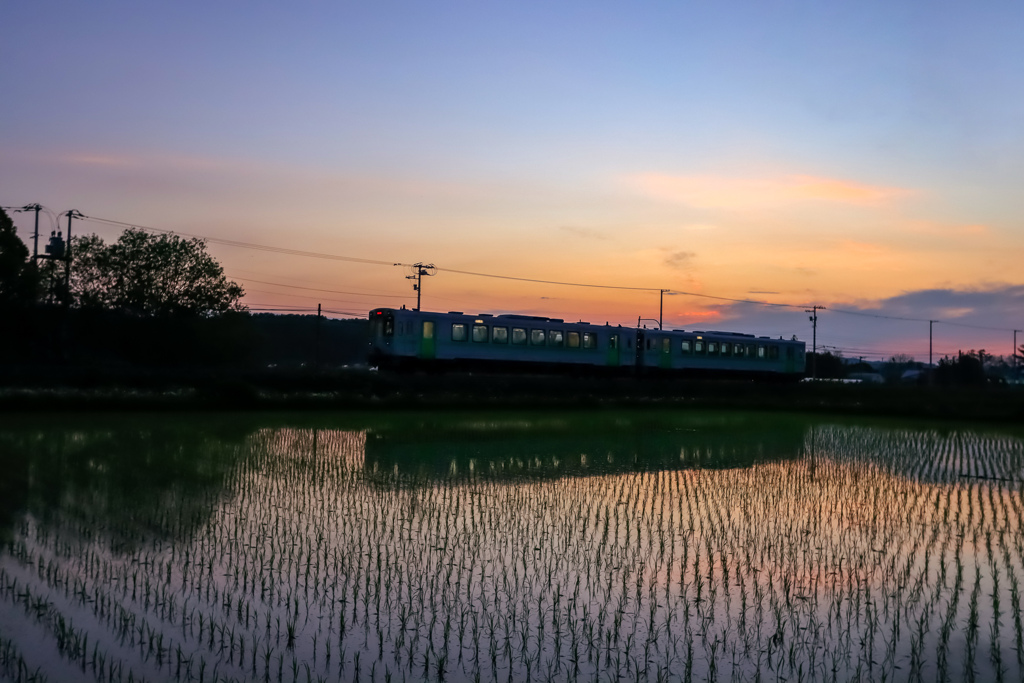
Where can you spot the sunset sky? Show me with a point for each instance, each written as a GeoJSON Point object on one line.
{"type": "Point", "coordinates": [867, 157]}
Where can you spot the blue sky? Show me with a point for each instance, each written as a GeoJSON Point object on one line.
{"type": "Point", "coordinates": [840, 154]}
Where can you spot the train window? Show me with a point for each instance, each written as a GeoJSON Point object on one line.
{"type": "Point", "coordinates": [537, 337]}
{"type": "Point", "coordinates": [698, 347]}
{"type": "Point", "coordinates": [572, 340]}
{"type": "Point", "coordinates": [613, 341]}
{"type": "Point", "coordinates": [712, 348]}
{"type": "Point", "coordinates": [648, 344]}
{"type": "Point", "coordinates": [428, 329]}
{"type": "Point", "coordinates": [499, 335]}
{"type": "Point", "coordinates": [761, 351]}
{"type": "Point", "coordinates": [480, 333]}
{"type": "Point", "coordinates": [518, 335]}
{"type": "Point", "coordinates": [458, 332]}
{"type": "Point", "coordinates": [751, 351]}
{"type": "Point", "coordinates": [726, 349]}
{"type": "Point", "coordinates": [686, 346]}
{"type": "Point", "coordinates": [556, 337]}
{"type": "Point", "coordinates": [737, 350]}
{"type": "Point", "coordinates": [589, 340]}
{"type": "Point", "coordinates": [789, 352]}
{"type": "Point", "coordinates": [773, 352]}
{"type": "Point", "coordinates": [666, 345]}
{"type": "Point", "coordinates": [389, 326]}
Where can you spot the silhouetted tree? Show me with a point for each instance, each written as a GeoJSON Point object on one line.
{"type": "Point", "coordinates": [966, 369]}
{"type": "Point", "coordinates": [897, 365]}
{"type": "Point", "coordinates": [827, 365]}
{"type": "Point", "coordinates": [17, 272]}
{"type": "Point", "coordinates": [150, 275]}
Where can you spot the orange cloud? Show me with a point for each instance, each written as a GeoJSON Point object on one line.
{"type": "Point", "coordinates": [719, 192]}
{"type": "Point", "coordinates": [698, 315]}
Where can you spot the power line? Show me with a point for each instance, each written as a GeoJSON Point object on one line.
{"type": "Point", "coordinates": [877, 315]}
{"type": "Point", "coordinates": [353, 259]}
{"type": "Point", "coordinates": [249, 245]}
{"type": "Point", "coordinates": [314, 289]}
{"type": "Point", "coordinates": [548, 282]}
{"type": "Point", "coordinates": [306, 297]}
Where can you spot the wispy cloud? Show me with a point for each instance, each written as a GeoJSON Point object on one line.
{"type": "Point", "coordinates": [680, 260]}
{"type": "Point", "coordinates": [720, 192]}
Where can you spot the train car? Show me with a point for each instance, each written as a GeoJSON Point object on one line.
{"type": "Point", "coordinates": [720, 354]}
{"type": "Point", "coordinates": [404, 339]}
{"type": "Point", "coordinates": [401, 338]}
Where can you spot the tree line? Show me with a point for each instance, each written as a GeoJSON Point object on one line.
{"type": "Point", "coordinates": [149, 300]}
{"type": "Point", "coordinates": [140, 274]}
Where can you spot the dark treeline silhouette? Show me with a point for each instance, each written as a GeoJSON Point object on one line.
{"type": "Point", "coordinates": [966, 369]}
{"type": "Point", "coordinates": [148, 301]}
{"type": "Point", "coordinates": [826, 365]}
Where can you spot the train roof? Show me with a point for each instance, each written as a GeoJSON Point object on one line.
{"type": "Point", "coordinates": [540, 318]}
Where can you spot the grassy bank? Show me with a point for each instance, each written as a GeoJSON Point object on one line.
{"type": "Point", "coordinates": [362, 389]}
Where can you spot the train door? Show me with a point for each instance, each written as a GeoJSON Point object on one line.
{"type": "Point", "coordinates": [665, 353]}
{"type": "Point", "coordinates": [791, 364]}
{"type": "Point", "coordinates": [639, 357]}
{"type": "Point", "coordinates": [612, 355]}
{"type": "Point", "coordinates": [428, 341]}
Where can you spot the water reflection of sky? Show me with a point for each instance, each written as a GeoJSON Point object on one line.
{"type": "Point", "coordinates": [553, 546]}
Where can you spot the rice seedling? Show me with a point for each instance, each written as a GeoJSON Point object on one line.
{"type": "Point", "coordinates": [832, 553]}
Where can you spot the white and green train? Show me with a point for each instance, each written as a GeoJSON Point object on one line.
{"type": "Point", "coordinates": [406, 339]}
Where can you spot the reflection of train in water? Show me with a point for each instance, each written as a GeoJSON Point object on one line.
{"type": "Point", "coordinates": [559, 445]}
{"type": "Point", "coordinates": [405, 338]}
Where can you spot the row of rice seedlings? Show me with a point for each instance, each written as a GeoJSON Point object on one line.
{"type": "Point", "coordinates": [829, 567]}
{"type": "Point", "coordinates": [13, 666]}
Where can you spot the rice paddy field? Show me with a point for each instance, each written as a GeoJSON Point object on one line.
{"type": "Point", "coordinates": [612, 546]}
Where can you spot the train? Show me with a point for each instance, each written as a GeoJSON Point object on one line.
{"type": "Point", "coordinates": [410, 339]}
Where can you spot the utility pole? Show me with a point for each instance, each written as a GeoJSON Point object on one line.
{"type": "Point", "coordinates": [419, 270]}
{"type": "Point", "coordinates": [316, 355]}
{"type": "Point", "coordinates": [661, 307]}
{"type": "Point", "coordinates": [813, 310]}
{"type": "Point", "coordinates": [71, 213]}
{"type": "Point", "coordinates": [930, 324]}
{"type": "Point", "coordinates": [35, 236]}
{"type": "Point", "coordinates": [1014, 356]}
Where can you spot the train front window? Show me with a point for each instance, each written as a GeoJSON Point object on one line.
{"type": "Point", "coordinates": [572, 340]}
{"type": "Point", "coordinates": [518, 335]}
{"type": "Point", "coordinates": [458, 332]}
{"type": "Point", "coordinates": [499, 335]}
{"type": "Point", "coordinates": [479, 333]}
{"type": "Point", "coordinates": [537, 337]}
{"type": "Point", "coordinates": [384, 324]}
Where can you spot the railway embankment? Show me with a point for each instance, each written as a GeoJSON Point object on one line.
{"type": "Point", "coordinates": [361, 389]}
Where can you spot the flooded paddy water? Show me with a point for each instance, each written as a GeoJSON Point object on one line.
{"type": "Point", "coordinates": [497, 547]}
